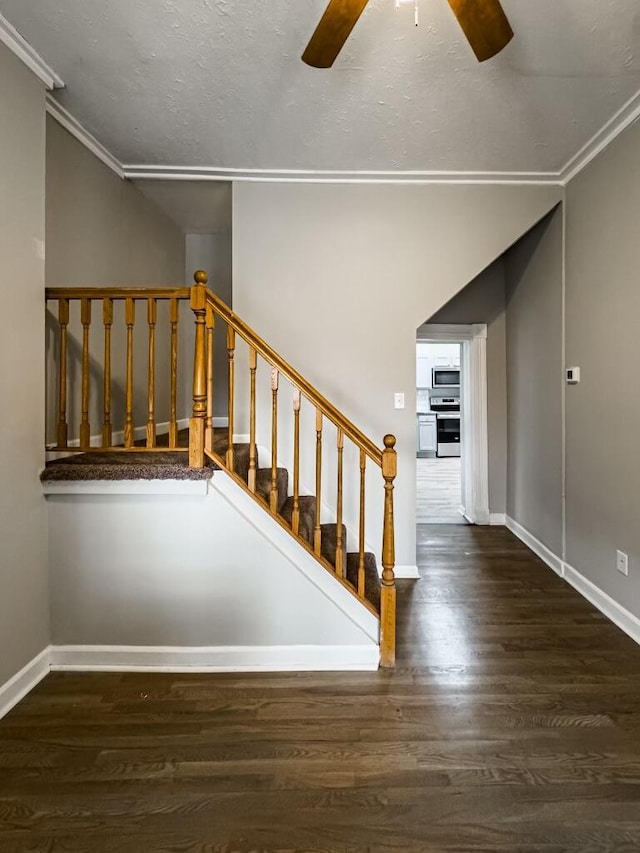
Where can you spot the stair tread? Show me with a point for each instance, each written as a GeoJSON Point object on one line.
{"type": "Point", "coordinates": [307, 508]}
{"type": "Point", "coordinates": [329, 543]}
{"type": "Point", "coordinates": [371, 577]}
{"type": "Point", "coordinates": [263, 485]}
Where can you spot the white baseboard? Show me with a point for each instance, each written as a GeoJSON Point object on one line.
{"type": "Point", "coordinates": [117, 437]}
{"type": "Point", "coordinates": [356, 658]}
{"type": "Point", "coordinates": [406, 572]}
{"type": "Point", "coordinates": [497, 519]}
{"type": "Point", "coordinates": [539, 548]}
{"type": "Point", "coordinates": [17, 687]}
{"type": "Point", "coordinates": [609, 607]}
{"type": "Point", "coordinates": [215, 658]}
{"type": "Point", "coordinates": [139, 432]}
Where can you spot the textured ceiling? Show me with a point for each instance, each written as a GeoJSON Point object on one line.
{"type": "Point", "coordinates": [220, 82]}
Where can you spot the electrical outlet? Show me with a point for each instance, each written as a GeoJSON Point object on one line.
{"type": "Point", "coordinates": [622, 562]}
{"type": "Point", "coordinates": [398, 401]}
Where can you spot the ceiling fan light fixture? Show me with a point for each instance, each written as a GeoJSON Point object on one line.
{"type": "Point", "coordinates": [483, 22]}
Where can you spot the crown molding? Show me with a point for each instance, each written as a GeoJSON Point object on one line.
{"type": "Point", "coordinates": [10, 37]}
{"type": "Point", "coordinates": [64, 117]}
{"type": "Point", "coordinates": [298, 176]}
{"type": "Point", "coordinates": [623, 119]}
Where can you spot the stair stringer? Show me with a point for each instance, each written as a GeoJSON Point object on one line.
{"type": "Point", "coordinates": [301, 560]}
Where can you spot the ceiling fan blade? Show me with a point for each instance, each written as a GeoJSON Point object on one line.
{"type": "Point", "coordinates": [484, 24]}
{"type": "Point", "coordinates": [339, 19]}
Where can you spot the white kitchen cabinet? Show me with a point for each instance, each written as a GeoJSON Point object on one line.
{"type": "Point", "coordinates": [423, 372]}
{"type": "Point", "coordinates": [427, 436]}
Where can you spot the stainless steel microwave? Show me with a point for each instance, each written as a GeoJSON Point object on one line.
{"type": "Point", "coordinates": [446, 377]}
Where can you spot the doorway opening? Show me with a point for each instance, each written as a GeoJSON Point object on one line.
{"type": "Point", "coordinates": [439, 434]}
{"type": "Point", "coordinates": [451, 425]}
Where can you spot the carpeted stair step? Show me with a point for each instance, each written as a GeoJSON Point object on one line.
{"type": "Point", "coordinates": [263, 485]}
{"type": "Point", "coordinates": [371, 577]}
{"type": "Point", "coordinates": [240, 453]}
{"type": "Point", "coordinates": [329, 543]}
{"type": "Point", "coordinates": [307, 506]}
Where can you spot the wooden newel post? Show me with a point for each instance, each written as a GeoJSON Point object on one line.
{"type": "Point", "coordinates": [388, 589]}
{"type": "Point", "coordinates": [197, 423]}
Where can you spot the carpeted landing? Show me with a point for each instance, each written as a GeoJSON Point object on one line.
{"type": "Point", "coordinates": [173, 465]}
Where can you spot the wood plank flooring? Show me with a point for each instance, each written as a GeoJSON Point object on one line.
{"type": "Point", "coordinates": [511, 725]}
{"type": "Point", "coordinates": [439, 491]}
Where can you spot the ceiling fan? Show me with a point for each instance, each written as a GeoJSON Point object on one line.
{"type": "Point", "coordinates": [483, 22]}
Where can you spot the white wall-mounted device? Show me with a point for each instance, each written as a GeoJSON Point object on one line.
{"type": "Point", "coordinates": [573, 375]}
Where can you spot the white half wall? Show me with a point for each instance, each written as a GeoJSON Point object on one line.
{"type": "Point", "coordinates": [130, 573]}
{"type": "Point", "coordinates": [338, 277]}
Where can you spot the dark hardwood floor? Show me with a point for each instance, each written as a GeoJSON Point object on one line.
{"type": "Point", "coordinates": [511, 724]}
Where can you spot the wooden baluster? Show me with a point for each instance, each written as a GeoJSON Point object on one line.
{"type": "Point", "coordinates": [273, 499]}
{"type": "Point", "coordinates": [388, 589]}
{"type": "Point", "coordinates": [174, 316]}
{"type": "Point", "coordinates": [231, 351]}
{"type": "Point", "coordinates": [317, 533]}
{"type": "Point", "coordinates": [295, 516]}
{"type": "Point", "coordinates": [62, 436]}
{"type": "Point", "coordinates": [210, 325]}
{"type": "Point", "coordinates": [339, 537]}
{"type": "Point", "coordinates": [152, 319]}
{"type": "Point", "coordinates": [85, 427]}
{"type": "Point", "coordinates": [130, 319]}
{"type": "Point", "coordinates": [253, 453]}
{"type": "Point", "coordinates": [361, 575]}
{"type": "Point", "coordinates": [198, 302]}
{"type": "Point", "coordinates": [107, 319]}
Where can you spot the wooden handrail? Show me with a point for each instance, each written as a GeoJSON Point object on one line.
{"type": "Point", "coordinates": [117, 293]}
{"type": "Point", "coordinates": [283, 367]}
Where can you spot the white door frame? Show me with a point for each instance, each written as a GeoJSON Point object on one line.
{"type": "Point", "coordinates": [475, 436]}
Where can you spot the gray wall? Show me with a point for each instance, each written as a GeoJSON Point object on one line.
{"type": "Point", "coordinates": [534, 381]}
{"type": "Point", "coordinates": [101, 231]}
{"type": "Point", "coordinates": [24, 606]}
{"type": "Point", "coordinates": [603, 411]}
{"type": "Point", "coordinates": [338, 278]}
{"type": "Point", "coordinates": [483, 301]}
{"type": "Point", "coordinates": [213, 253]}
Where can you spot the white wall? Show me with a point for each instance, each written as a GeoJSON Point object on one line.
{"type": "Point", "coordinates": [188, 571]}
{"type": "Point", "coordinates": [24, 607]}
{"type": "Point", "coordinates": [338, 278]}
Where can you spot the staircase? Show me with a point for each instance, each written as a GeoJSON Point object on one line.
{"type": "Point", "coordinates": [318, 526]}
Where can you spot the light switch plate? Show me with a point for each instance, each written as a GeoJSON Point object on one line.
{"type": "Point", "coordinates": [622, 562]}
{"type": "Point", "coordinates": [573, 375]}
{"type": "Point", "coordinates": [398, 400]}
